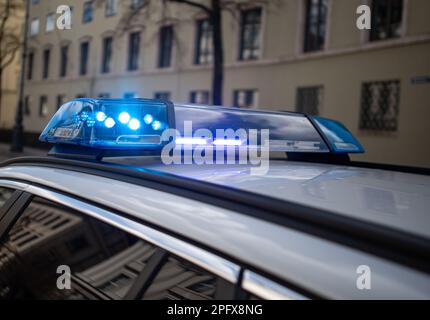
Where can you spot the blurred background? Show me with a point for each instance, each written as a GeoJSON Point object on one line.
{"type": "Point", "coordinates": [312, 56]}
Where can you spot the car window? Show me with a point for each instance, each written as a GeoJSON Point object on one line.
{"type": "Point", "coordinates": [5, 194]}
{"type": "Point", "coordinates": [47, 239]}
{"type": "Point", "coordinates": [181, 280]}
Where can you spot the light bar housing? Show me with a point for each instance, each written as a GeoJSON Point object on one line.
{"type": "Point", "coordinates": [111, 124]}
{"type": "Point", "coordinates": [289, 132]}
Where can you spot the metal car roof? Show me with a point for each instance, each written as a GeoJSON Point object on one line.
{"type": "Point", "coordinates": [318, 265]}
{"type": "Point", "coordinates": [395, 199]}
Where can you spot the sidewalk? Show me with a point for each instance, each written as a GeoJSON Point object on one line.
{"type": "Point", "coordinates": [28, 151]}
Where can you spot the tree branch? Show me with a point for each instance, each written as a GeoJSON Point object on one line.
{"type": "Point", "coordinates": [203, 7]}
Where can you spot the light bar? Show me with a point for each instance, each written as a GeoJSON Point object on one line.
{"type": "Point", "coordinates": [227, 142]}
{"type": "Point", "coordinates": [191, 141]}
{"type": "Point", "coordinates": [111, 124]}
{"type": "Point", "coordinates": [288, 132]}
{"type": "Point", "coordinates": [338, 136]}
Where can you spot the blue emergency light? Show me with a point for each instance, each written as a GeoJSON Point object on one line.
{"type": "Point", "coordinates": [111, 124]}
{"type": "Point", "coordinates": [111, 127]}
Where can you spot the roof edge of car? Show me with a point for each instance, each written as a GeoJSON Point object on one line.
{"type": "Point", "coordinates": [404, 247]}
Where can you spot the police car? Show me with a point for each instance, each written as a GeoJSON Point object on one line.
{"type": "Point", "coordinates": [145, 199]}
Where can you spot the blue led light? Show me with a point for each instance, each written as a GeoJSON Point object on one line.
{"type": "Point", "coordinates": [101, 116]}
{"type": "Point", "coordinates": [84, 116]}
{"type": "Point", "coordinates": [109, 123]}
{"type": "Point", "coordinates": [156, 125]}
{"type": "Point", "coordinates": [148, 119]}
{"type": "Point", "coordinates": [124, 117]}
{"type": "Point", "coordinates": [134, 124]}
{"type": "Point", "coordinates": [90, 122]}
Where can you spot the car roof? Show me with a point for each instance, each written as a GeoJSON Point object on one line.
{"type": "Point", "coordinates": [316, 264]}
{"type": "Point", "coordinates": [393, 199]}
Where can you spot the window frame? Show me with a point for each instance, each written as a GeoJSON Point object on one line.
{"type": "Point", "coordinates": [133, 54]}
{"type": "Point", "coordinates": [46, 57]}
{"type": "Point", "coordinates": [107, 52]}
{"type": "Point", "coordinates": [203, 57]}
{"type": "Point", "coordinates": [306, 47]}
{"type": "Point", "coordinates": [84, 64]}
{"type": "Point", "coordinates": [49, 22]}
{"type": "Point", "coordinates": [43, 98]}
{"type": "Point", "coordinates": [253, 92]}
{"type": "Point", "coordinates": [87, 12]}
{"type": "Point", "coordinates": [165, 244]}
{"type": "Point", "coordinates": [165, 48]}
{"type": "Point", "coordinates": [375, 123]}
{"type": "Point", "coordinates": [111, 8]}
{"type": "Point", "coordinates": [30, 65]}
{"type": "Point", "coordinates": [64, 60]}
{"type": "Point", "coordinates": [256, 53]}
{"type": "Point", "coordinates": [402, 27]}
{"type": "Point", "coordinates": [34, 27]}
{"type": "Point", "coordinates": [319, 94]}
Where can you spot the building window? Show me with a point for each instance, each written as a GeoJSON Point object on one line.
{"type": "Point", "coordinates": [250, 33]}
{"type": "Point", "coordinates": [34, 27]}
{"type": "Point", "coordinates": [85, 48]}
{"type": "Point", "coordinates": [87, 15]}
{"type": "Point", "coordinates": [137, 4]}
{"type": "Point", "coordinates": [309, 100]}
{"type": "Point", "coordinates": [133, 51]}
{"type": "Point", "coordinates": [380, 105]}
{"type": "Point", "coordinates": [386, 19]}
{"type": "Point", "coordinates": [30, 66]}
{"type": "Point", "coordinates": [203, 53]}
{"type": "Point", "coordinates": [50, 22]}
{"type": "Point", "coordinates": [46, 58]}
{"type": "Point", "coordinates": [247, 98]}
{"type": "Point", "coordinates": [315, 25]}
{"type": "Point", "coordinates": [199, 97]}
{"type": "Point", "coordinates": [43, 106]}
{"type": "Point", "coordinates": [64, 57]}
{"type": "Point", "coordinates": [110, 8]}
{"type": "Point", "coordinates": [61, 98]}
{"type": "Point", "coordinates": [27, 105]}
{"type": "Point", "coordinates": [162, 95]}
{"type": "Point", "coordinates": [107, 54]}
{"type": "Point", "coordinates": [165, 47]}
{"type": "Point", "coordinates": [35, 1]}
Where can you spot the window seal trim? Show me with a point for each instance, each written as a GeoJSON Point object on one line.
{"type": "Point", "coordinates": [198, 256]}
{"type": "Point", "coordinates": [268, 289]}
{"type": "Point", "coordinates": [13, 214]}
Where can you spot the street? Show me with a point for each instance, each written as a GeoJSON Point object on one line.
{"type": "Point", "coordinates": [6, 154]}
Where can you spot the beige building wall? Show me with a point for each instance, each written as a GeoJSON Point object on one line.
{"type": "Point", "coordinates": [11, 76]}
{"type": "Point", "coordinates": [347, 61]}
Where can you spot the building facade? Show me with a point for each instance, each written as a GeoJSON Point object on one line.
{"type": "Point", "coordinates": [295, 55]}
{"type": "Point", "coordinates": [9, 59]}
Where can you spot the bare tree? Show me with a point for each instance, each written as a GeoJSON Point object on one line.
{"type": "Point", "coordinates": [213, 9]}
{"type": "Point", "coordinates": [10, 40]}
